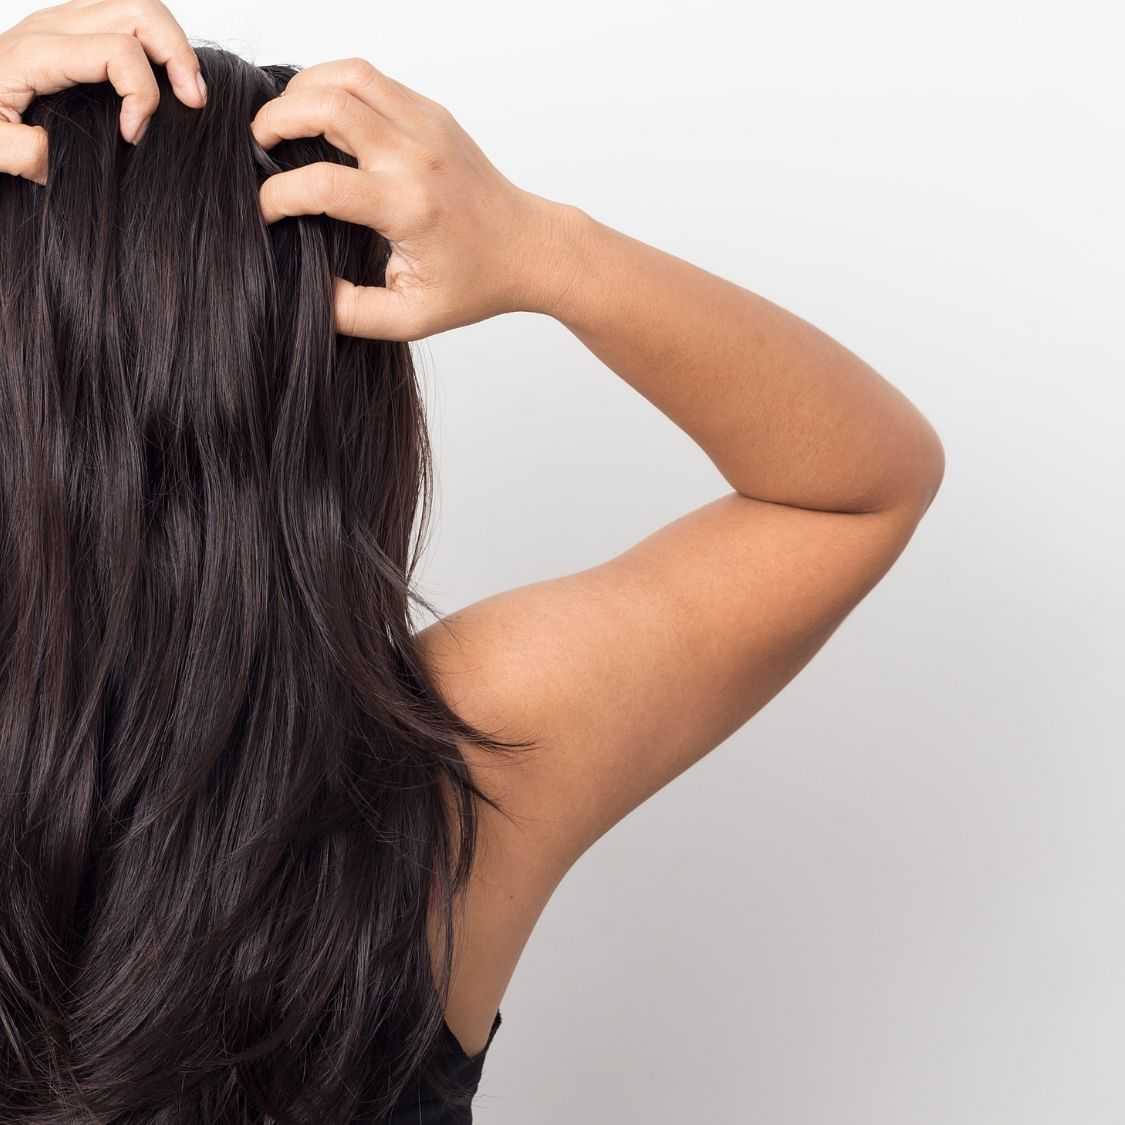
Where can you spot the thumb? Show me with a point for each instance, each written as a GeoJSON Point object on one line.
{"type": "Point", "coordinates": [23, 151]}
{"type": "Point", "coordinates": [375, 313]}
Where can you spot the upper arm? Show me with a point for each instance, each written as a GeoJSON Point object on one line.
{"type": "Point", "coordinates": [629, 672]}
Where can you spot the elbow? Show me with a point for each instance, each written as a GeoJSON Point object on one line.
{"type": "Point", "coordinates": [937, 465]}
{"type": "Point", "coordinates": [915, 476]}
{"type": "Point", "coordinates": [929, 470]}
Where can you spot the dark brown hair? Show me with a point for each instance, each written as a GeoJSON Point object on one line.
{"type": "Point", "coordinates": [229, 792]}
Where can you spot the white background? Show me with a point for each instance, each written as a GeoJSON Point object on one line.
{"type": "Point", "coordinates": [895, 897]}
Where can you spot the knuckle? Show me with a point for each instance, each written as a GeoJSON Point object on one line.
{"type": "Point", "coordinates": [125, 47]}
{"type": "Point", "coordinates": [357, 70]}
{"type": "Point", "coordinates": [136, 9]}
{"type": "Point", "coordinates": [324, 179]}
{"type": "Point", "coordinates": [339, 101]}
{"type": "Point", "coordinates": [128, 12]}
{"type": "Point", "coordinates": [331, 101]}
{"type": "Point", "coordinates": [437, 111]}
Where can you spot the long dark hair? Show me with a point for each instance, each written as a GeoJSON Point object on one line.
{"type": "Point", "coordinates": [230, 792]}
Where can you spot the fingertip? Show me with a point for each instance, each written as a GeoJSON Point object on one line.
{"type": "Point", "coordinates": [24, 151]}
{"type": "Point", "coordinates": [268, 212]}
{"type": "Point", "coordinates": [259, 132]}
{"type": "Point", "coordinates": [187, 82]}
{"type": "Point", "coordinates": [372, 313]}
{"type": "Point", "coordinates": [134, 121]}
{"type": "Point", "coordinates": [345, 299]}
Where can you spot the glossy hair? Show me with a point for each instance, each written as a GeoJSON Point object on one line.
{"type": "Point", "coordinates": [229, 790]}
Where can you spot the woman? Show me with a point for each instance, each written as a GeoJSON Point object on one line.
{"type": "Point", "coordinates": [270, 853]}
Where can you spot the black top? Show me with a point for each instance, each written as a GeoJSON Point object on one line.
{"type": "Point", "coordinates": [417, 1106]}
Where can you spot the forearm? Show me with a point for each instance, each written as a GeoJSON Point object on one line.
{"type": "Point", "coordinates": [785, 412]}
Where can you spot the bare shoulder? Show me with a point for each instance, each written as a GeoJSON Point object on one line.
{"type": "Point", "coordinates": [624, 675]}
{"type": "Point", "coordinates": [630, 671]}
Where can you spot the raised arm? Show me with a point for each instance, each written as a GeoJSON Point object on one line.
{"type": "Point", "coordinates": [632, 670]}
{"type": "Point", "coordinates": [627, 672]}
{"type": "Point", "coordinates": [785, 412]}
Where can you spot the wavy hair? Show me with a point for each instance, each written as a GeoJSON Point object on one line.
{"type": "Point", "coordinates": [231, 795]}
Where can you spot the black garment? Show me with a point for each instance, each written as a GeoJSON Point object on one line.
{"type": "Point", "coordinates": [418, 1106]}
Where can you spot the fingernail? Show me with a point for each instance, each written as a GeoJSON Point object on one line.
{"type": "Point", "coordinates": [129, 125]}
{"type": "Point", "coordinates": [201, 84]}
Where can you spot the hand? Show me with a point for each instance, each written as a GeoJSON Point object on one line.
{"type": "Point", "coordinates": [89, 41]}
{"type": "Point", "coordinates": [466, 243]}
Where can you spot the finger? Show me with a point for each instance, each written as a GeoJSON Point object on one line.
{"type": "Point", "coordinates": [371, 86]}
{"type": "Point", "coordinates": [53, 62]}
{"type": "Point", "coordinates": [327, 111]}
{"type": "Point", "coordinates": [374, 313]}
{"type": "Point", "coordinates": [324, 188]}
{"type": "Point", "coordinates": [164, 42]}
{"type": "Point", "coordinates": [154, 26]}
{"type": "Point", "coordinates": [23, 151]}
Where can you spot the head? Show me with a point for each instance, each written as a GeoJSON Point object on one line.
{"type": "Point", "coordinates": [226, 776]}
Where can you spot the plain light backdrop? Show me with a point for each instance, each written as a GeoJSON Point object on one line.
{"type": "Point", "coordinates": [895, 897]}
